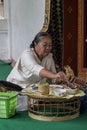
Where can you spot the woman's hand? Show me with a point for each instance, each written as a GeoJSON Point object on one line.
{"type": "Point", "coordinates": [62, 77]}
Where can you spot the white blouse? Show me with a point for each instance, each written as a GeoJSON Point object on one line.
{"type": "Point", "coordinates": [27, 68]}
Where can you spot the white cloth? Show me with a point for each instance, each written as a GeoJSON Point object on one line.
{"type": "Point", "coordinates": [27, 68]}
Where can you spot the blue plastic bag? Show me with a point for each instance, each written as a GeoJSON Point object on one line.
{"type": "Point", "coordinates": [83, 105]}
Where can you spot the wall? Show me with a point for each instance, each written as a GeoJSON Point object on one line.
{"type": "Point", "coordinates": [23, 19]}
{"type": "Point", "coordinates": [4, 42]}
{"type": "Point", "coordinates": [4, 53]}
{"type": "Point", "coordinates": [26, 19]}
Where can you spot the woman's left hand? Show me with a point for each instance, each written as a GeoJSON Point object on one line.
{"type": "Point", "coordinates": [62, 78]}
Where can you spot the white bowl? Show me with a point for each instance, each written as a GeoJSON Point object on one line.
{"type": "Point", "coordinates": [59, 92]}
{"type": "Point", "coordinates": [71, 91]}
{"type": "Point", "coordinates": [56, 86]}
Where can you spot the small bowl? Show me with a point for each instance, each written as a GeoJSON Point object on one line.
{"type": "Point", "coordinates": [56, 86]}
{"type": "Point", "coordinates": [59, 92]}
{"type": "Point", "coordinates": [71, 91]}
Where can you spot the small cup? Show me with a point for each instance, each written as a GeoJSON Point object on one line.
{"type": "Point", "coordinates": [43, 88]}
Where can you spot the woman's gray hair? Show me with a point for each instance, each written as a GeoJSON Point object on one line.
{"type": "Point", "coordinates": [39, 37]}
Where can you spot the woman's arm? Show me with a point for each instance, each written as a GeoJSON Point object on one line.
{"type": "Point", "coordinates": [48, 74]}
{"type": "Point", "coordinates": [60, 76]}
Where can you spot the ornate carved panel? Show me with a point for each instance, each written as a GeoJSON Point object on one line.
{"type": "Point", "coordinates": [46, 16]}
{"type": "Point", "coordinates": [70, 34]}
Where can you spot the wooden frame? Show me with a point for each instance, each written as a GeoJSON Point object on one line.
{"type": "Point", "coordinates": [47, 16]}
{"type": "Point", "coordinates": [81, 70]}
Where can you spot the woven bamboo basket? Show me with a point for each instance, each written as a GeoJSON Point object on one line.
{"type": "Point", "coordinates": [53, 109]}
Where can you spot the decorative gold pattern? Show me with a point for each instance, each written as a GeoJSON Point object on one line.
{"type": "Point", "coordinates": [69, 60]}
{"type": "Point", "coordinates": [47, 16]}
{"type": "Point", "coordinates": [70, 9]}
{"type": "Point", "coordinates": [69, 36]}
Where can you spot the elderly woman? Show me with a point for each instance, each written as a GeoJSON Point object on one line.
{"type": "Point", "coordinates": [36, 64]}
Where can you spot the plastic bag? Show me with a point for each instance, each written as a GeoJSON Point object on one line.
{"type": "Point", "coordinates": [22, 104]}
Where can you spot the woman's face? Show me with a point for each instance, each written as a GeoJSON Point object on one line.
{"type": "Point", "coordinates": [44, 47]}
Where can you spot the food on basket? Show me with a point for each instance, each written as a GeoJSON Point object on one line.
{"type": "Point", "coordinates": [72, 82]}
{"type": "Point", "coordinates": [43, 88]}
{"type": "Point", "coordinates": [69, 72]}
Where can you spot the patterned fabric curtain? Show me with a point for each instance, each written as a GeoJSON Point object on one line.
{"type": "Point", "coordinates": [56, 30]}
